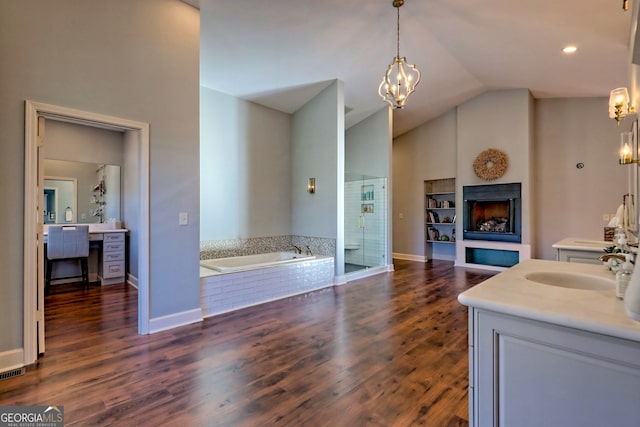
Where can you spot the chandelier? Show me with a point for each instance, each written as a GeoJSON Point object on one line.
{"type": "Point", "coordinates": [401, 78]}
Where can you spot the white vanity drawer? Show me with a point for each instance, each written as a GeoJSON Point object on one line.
{"type": "Point", "coordinates": [113, 269]}
{"type": "Point", "coordinates": [112, 256]}
{"type": "Point", "coordinates": [113, 237]}
{"type": "Point", "coordinates": [113, 247]}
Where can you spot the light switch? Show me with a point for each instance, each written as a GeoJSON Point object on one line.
{"type": "Point", "coordinates": [184, 218]}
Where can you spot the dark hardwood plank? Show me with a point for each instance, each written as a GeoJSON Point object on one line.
{"type": "Point", "coordinates": [389, 350]}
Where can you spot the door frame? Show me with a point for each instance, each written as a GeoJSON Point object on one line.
{"type": "Point", "coordinates": [33, 291]}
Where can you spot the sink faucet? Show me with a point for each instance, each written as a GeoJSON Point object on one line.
{"type": "Point", "coordinates": [309, 250]}
{"type": "Point", "coordinates": [298, 250]}
{"type": "Point", "coordinates": [607, 257]}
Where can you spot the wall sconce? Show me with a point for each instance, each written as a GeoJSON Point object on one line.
{"type": "Point", "coordinates": [626, 149]}
{"type": "Point", "coordinates": [619, 104]}
{"type": "Point", "coordinates": [311, 186]}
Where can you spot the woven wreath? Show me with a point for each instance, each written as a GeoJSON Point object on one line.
{"type": "Point", "coordinates": [491, 164]}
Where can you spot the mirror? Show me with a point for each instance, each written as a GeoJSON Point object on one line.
{"type": "Point", "coordinates": [82, 193]}
{"type": "Point", "coordinates": [60, 200]}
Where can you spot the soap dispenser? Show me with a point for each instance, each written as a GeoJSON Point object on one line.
{"type": "Point", "coordinates": [623, 276]}
{"type": "Point", "coordinates": [632, 296]}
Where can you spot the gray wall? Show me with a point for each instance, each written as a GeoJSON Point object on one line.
{"type": "Point", "coordinates": [69, 141]}
{"type": "Point", "coordinates": [368, 145]}
{"type": "Point", "coordinates": [570, 202]}
{"type": "Point", "coordinates": [89, 145]}
{"type": "Point", "coordinates": [368, 152]}
{"type": "Point", "coordinates": [426, 152]}
{"type": "Point", "coordinates": [565, 201]}
{"type": "Point", "coordinates": [497, 119]}
{"type": "Point", "coordinates": [132, 59]}
{"type": "Point", "coordinates": [245, 169]}
{"type": "Point", "coordinates": [130, 198]}
{"type": "Point", "coordinates": [318, 152]}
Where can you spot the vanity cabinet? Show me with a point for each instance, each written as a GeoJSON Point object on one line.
{"type": "Point", "coordinates": [111, 267]}
{"type": "Point", "coordinates": [530, 373]}
{"type": "Point", "coordinates": [574, 255]}
{"type": "Point", "coordinates": [580, 250]}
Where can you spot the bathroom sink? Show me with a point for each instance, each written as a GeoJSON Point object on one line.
{"type": "Point", "coordinates": [571, 280]}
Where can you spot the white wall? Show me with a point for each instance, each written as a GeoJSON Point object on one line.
{"type": "Point", "coordinates": [426, 152]}
{"type": "Point", "coordinates": [132, 59]}
{"type": "Point", "coordinates": [245, 169]}
{"type": "Point", "coordinates": [570, 202]}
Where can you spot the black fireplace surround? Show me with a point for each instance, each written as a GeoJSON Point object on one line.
{"type": "Point", "coordinates": [492, 212]}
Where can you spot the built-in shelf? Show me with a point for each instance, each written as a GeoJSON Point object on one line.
{"type": "Point", "coordinates": [440, 204]}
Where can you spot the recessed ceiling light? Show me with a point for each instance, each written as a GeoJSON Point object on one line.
{"type": "Point", "coordinates": [569, 49]}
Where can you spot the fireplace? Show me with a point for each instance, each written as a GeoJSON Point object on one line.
{"type": "Point", "coordinates": [492, 212]}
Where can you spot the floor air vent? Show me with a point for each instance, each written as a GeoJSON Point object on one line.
{"type": "Point", "coordinates": [12, 373]}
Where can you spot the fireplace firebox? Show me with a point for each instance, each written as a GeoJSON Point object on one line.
{"type": "Point", "coordinates": [492, 212]}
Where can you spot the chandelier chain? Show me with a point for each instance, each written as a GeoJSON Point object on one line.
{"type": "Point", "coordinates": [398, 33]}
{"type": "Point", "coordinates": [401, 78]}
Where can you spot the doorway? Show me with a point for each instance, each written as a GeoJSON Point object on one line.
{"type": "Point", "coordinates": [137, 154]}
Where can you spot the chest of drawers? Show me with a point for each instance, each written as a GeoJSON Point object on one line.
{"type": "Point", "coordinates": [111, 268]}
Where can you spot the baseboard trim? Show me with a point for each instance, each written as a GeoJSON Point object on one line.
{"type": "Point", "coordinates": [132, 280]}
{"type": "Point", "coordinates": [175, 320]}
{"type": "Point", "coordinates": [410, 257]}
{"type": "Point", "coordinates": [372, 271]}
{"type": "Point", "coordinates": [11, 359]}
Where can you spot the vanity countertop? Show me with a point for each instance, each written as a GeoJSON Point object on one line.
{"type": "Point", "coordinates": [596, 311]}
{"type": "Point", "coordinates": [579, 244]}
{"type": "Point", "coordinates": [93, 228]}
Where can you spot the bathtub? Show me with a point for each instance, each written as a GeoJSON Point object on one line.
{"type": "Point", "coordinates": [252, 262]}
{"type": "Point", "coordinates": [228, 284]}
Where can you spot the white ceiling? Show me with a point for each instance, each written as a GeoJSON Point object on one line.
{"type": "Point", "coordinates": [281, 53]}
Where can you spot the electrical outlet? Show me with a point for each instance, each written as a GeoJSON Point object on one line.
{"type": "Point", "coordinates": [184, 218]}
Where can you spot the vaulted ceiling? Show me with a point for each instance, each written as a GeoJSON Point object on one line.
{"type": "Point", "coordinates": [281, 53]}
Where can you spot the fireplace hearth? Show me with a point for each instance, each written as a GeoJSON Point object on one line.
{"type": "Point", "coordinates": [492, 212]}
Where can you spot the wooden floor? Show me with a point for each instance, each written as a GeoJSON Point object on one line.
{"type": "Point", "coordinates": [389, 350]}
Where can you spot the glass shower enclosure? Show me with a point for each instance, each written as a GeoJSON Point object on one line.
{"type": "Point", "coordinates": [365, 222]}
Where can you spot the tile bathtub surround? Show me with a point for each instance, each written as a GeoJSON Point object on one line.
{"type": "Point", "coordinates": [259, 245]}
{"type": "Point", "coordinates": [220, 293]}
{"type": "Point", "coordinates": [318, 245]}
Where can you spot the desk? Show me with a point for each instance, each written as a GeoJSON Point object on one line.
{"type": "Point", "coordinates": [108, 246]}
